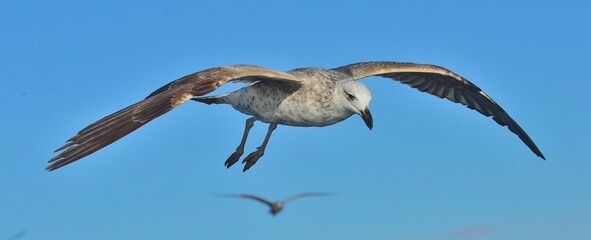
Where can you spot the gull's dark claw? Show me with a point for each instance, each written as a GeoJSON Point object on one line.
{"type": "Point", "coordinates": [232, 159]}
{"type": "Point", "coordinates": [251, 159]}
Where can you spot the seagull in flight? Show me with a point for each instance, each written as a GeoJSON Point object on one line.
{"type": "Point", "coordinates": [277, 206]}
{"type": "Point", "coordinates": [303, 97]}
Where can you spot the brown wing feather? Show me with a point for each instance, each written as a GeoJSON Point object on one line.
{"type": "Point", "coordinates": [208, 80]}
{"type": "Point", "coordinates": [442, 83]}
{"type": "Point", "coordinates": [115, 126]}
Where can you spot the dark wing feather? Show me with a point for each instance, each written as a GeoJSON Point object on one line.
{"type": "Point", "coordinates": [115, 126]}
{"type": "Point", "coordinates": [254, 197]}
{"type": "Point", "coordinates": [442, 83]}
{"type": "Point", "coordinates": [306, 194]}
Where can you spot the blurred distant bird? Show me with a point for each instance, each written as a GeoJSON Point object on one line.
{"type": "Point", "coordinates": [277, 206]}
{"type": "Point", "coordinates": [18, 235]}
{"type": "Point", "coordinates": [301, 97]}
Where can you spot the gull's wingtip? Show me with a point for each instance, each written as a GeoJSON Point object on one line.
{"type": "Point", "coordinates": [50, 168]}
{"type": "Point", "coordinates": [54, 166]}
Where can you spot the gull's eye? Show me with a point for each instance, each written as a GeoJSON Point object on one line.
{"type": "Point", "coordinates": [350, 96]}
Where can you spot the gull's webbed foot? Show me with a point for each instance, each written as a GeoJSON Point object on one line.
{"type": "Point", "coordinates": [233, 159]}
{"type": "Point", "coordinates": [252, 158]}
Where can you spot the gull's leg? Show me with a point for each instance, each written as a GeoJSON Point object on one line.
{"type": "Point", "coordinates": [253, 157]}
{"type": "Point", "coordinates": [240, 149]}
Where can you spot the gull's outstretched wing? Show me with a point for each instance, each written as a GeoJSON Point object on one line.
{"type": "Point", "coordinates": [442, 83]}
{"type": "Point", "coordinates": [254, 197]}
{"type": "Point", "coordinates": [115, 126]}
{"type": "Point", "coordinates": [306, 194]}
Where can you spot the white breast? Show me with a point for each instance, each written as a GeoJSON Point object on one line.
{"type": "Point", "coordinates": [310, 105]}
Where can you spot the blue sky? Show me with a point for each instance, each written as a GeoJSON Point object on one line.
{"type": "Point", "coordinates": [429, 170]}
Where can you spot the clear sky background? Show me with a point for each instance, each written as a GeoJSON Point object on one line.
{"type": "Point", "coordinates": [429, 170]}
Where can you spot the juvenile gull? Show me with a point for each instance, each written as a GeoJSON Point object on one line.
{"type": "Point", "coordinates": [300, 97]}
{"type": "Point", "coordinates": [276, 206]}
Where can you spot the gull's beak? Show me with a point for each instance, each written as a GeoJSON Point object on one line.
{"type": "Point", "coordinates": [366, 115]}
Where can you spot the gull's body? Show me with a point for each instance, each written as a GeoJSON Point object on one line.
{"type": "Point", "coordinates": [300, 97]}
{"type": "Point", "coordinates": [311, 104]}
{"type": "Point", "coordinates": [276, 206]}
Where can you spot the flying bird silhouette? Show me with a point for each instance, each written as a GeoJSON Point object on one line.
{"type": "Point", "coordinates": [303, 97]}
{"type": "Point", "coordinates": [276, 207]}
{"type": "Point", "coordinates": [18, 235]}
